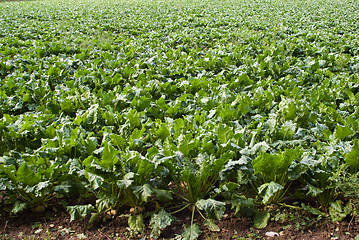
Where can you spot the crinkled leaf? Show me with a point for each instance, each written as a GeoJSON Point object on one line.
{"type": "Point", "coordinates": [18, 207]}
{"type": "Point", "coordinates": [314, 191]}
{"type": "Point", "coordinates": [79, 211]}
{"type": "Point", "coordinates": [127, 180]}
{"type": "Point", "coordinates": [297, 170]}
{"type": "Point", "coordinates": [213, 208]}
{"type": "Point", "coordinates": [102, 204]}
{"type": "Point", "coordinates": [64, 188]}
{"type": "Point", "coordinates": [337, 212]}
{"type": "Point", "coordinates": [191, 232]}
{"type": "Point", "coordinates": [267, 190]}
{"type": "Point", "coordinates": [96, 181]}
{"type": "Point", "coordinates": [136, 223]}
{"type": "Point", "coordinates": [144, 192]}
{"type": "Point", "coordinates": [260, 147]}
{"type": "Point", "coordinates": [159, 222]}
{"type": "Point", "coordinates": [287, 129]}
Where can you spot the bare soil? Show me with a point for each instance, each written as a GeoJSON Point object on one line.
{"type": "Point", "coordinates": [55, 224]}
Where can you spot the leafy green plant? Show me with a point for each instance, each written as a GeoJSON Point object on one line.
{"type": "Point", "coordinates": [320, 181]}
{"type": "Point", "coordinates": [117, 179]}
{"type": "Point", "coordinates": [194, 183]}
{"type": "Point", "coordinates": [200, 103]}
{"type": "Point", "coordinates": [347, 184]}
{"type": "Point", "coordinates": [352, 159]}
{"type": "Point", "coordinates": [29, 185]}
{"type": "Point", "coordinates": [276, 172]}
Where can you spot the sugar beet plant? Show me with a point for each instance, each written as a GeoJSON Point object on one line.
{"type": "Point", "coordinates": [153, 108]}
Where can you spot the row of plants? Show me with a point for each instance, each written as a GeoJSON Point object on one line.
{"type": "Point", "coordinates": [209, 106]}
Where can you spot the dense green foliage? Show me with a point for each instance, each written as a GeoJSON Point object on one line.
{"type": "Point", "coordinates": [221, 104]}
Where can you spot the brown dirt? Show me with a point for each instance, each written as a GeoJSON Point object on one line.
{"type": "Point", "coordinates": [55, 224]}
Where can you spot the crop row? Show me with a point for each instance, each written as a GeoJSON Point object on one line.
{"type": "Point", "coordinates": [201, 105]}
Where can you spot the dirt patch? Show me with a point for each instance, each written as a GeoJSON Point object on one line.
{"type": "Point", "coordinates": [55, 224]}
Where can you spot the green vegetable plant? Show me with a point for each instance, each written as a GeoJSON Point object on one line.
{"type": "Point", "coordinates": [319, 177]}
{"type": "Point", "coordinates": [179, 105]}
{"type": "Point", "coordinates": [193, 183]}
{"type": "Point", "coordinates": [348, 186]}
{"type": "Point", "coordinates": [117, 179]}
{"type": "Point", "coordinates": [29, 180]}
{"type": "Point", "coordinates": [276, 172]}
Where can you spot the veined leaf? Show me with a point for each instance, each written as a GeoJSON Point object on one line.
{"type": "Point", "coordinates": [79, 211]}
{"type": "Point", "coordinates": [159, 222]}
{"type": "Point", "coordinates": [242, 205]}
{"type": "Point", "coordinates": [191, 232]}
{"type": "Point", "coordinates": [26, 176]}
{"type": "Point", "coordinates": [109, 157]}
{"type": "Point", "coordinates": [342, 132]}
{"type": "Point", "coordinates": [136, 223]}
{"type": "Point", "coordinates": [268, 190]}
{"type": "Point", "coordinates": [214, 209]}
{"type": "Point", "coordinates": [337, 212]}
{"type": "Point", "coordinates": [96, 181]}
{"type": "Point", "coordinates": [102, 204]}
{"type": "Point", "coordinates": [144, 191]}
{"type": "Point", "coordinates": [127, 180]}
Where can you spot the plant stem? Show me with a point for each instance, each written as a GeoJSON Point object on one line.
{"type": "Point", "coordinates": [290, 206]}
{"type": "Point", "coordinates": [187, 205]}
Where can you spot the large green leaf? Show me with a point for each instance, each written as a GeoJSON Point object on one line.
{"type": "Point", "coordinates": [26, 176]}
{"type": "Point", "coordinates": [102, 204]}
{"type": "Point", "coordinates": [144, 192]}
{"type": "Point", "coordinates": [267, 190]}
{"type": "Point", "coordinates": [136, 223]}
{"type": "Point", "coordinates": [163, 195]}
{"type": "Point", "coordinates": [213, 208]}
{"type": "Point", "coordinates": [261, 219]}
{"type": "Point", "coordinates": [109, 157]}
{"type": "Point", "coordinates": [191, 232]}
{"type": "Point", "coordinates": [337, 212]}
{"type": "Point", "coordinates": [79, 211]}
{"type": "Point", "coordinates": [242, 205]}
{"type": "Point", "coordinates": [342, 132]}
{"type": "Point", "coordinates": [95, 180]}
{"type": "Point", "coordinates": [352, 158]}
{"type": "Point", "coordinates": [185, 144]}
{"type": "Point", "coordinates": [265, 164]}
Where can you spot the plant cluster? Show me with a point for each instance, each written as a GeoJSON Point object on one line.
{"type": "Point", "coordinates": [209, 106]}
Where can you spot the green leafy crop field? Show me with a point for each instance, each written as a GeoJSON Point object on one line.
{"type": "Point", "coordinates": [214, 106]}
